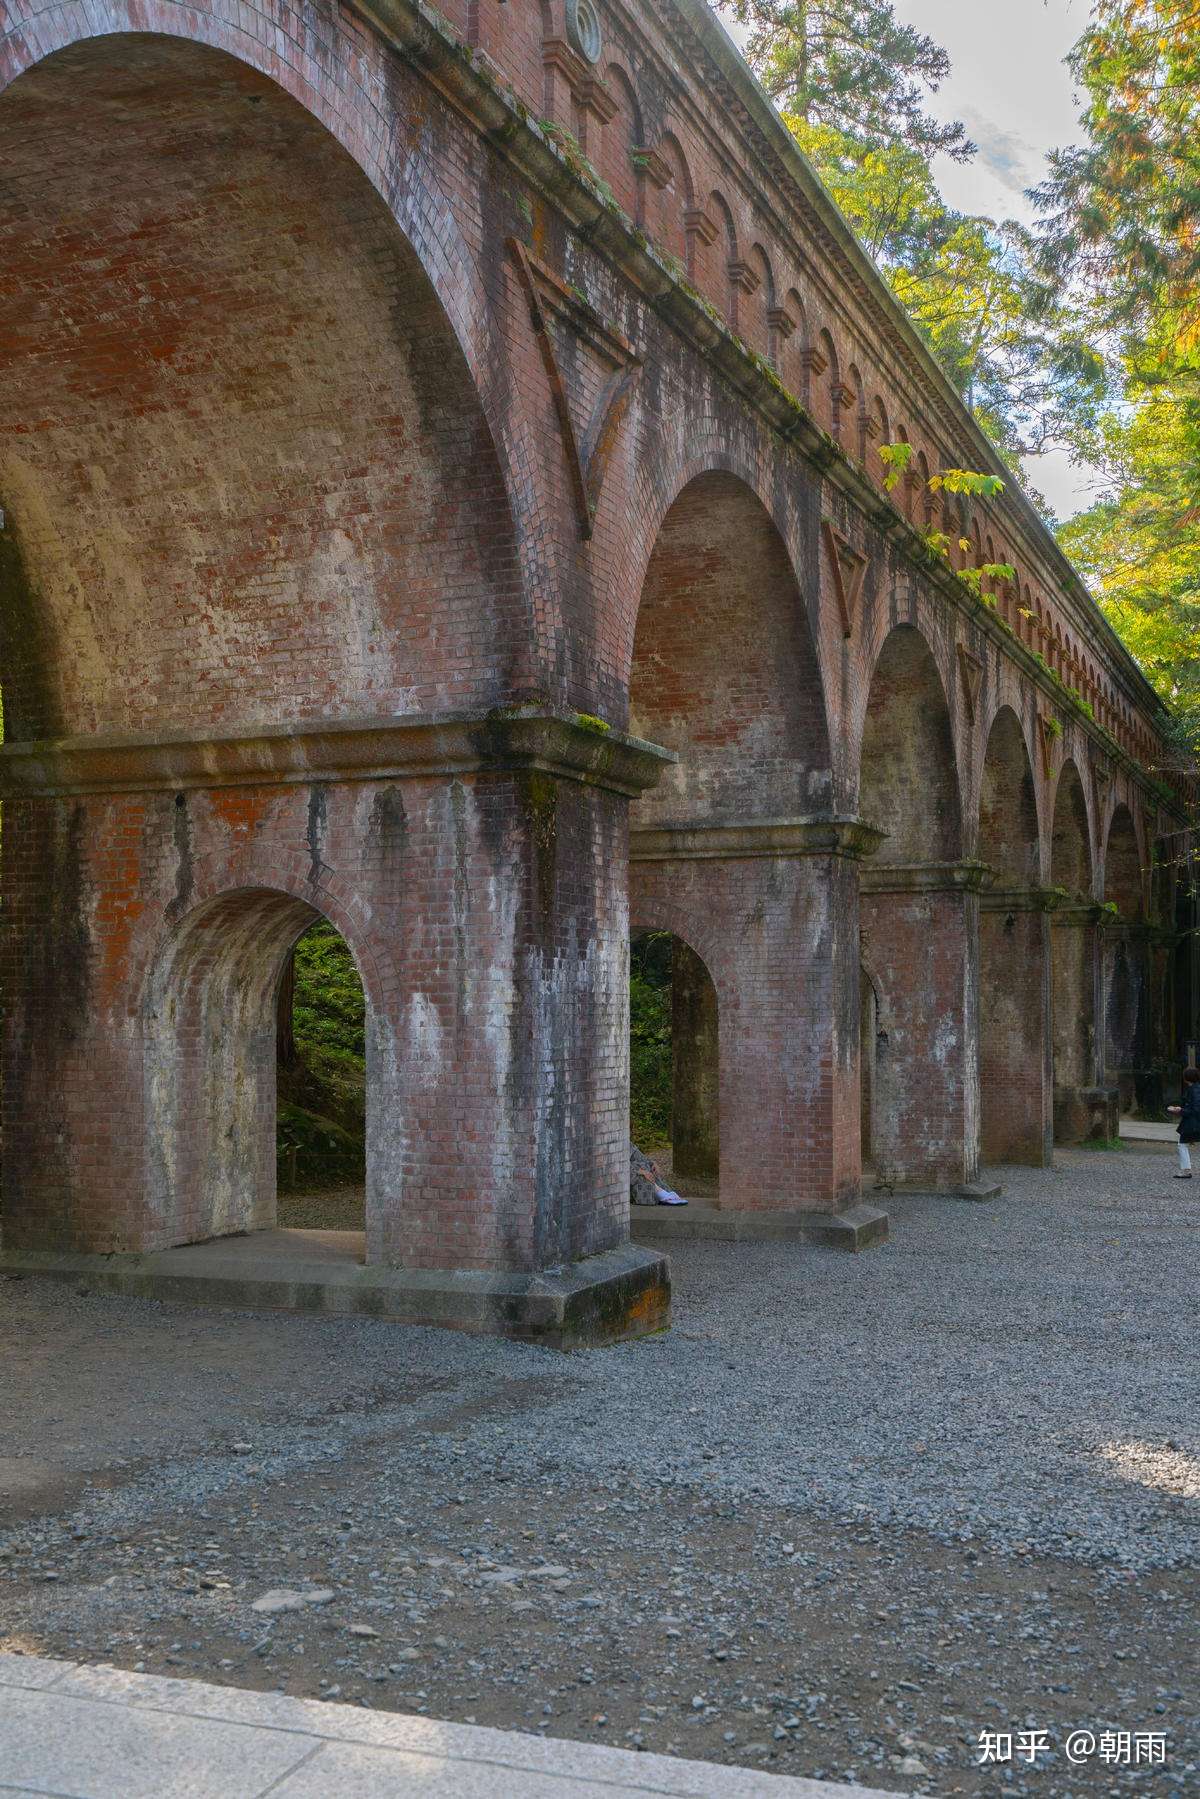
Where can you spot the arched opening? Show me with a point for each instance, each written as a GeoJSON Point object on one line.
{"type": "Point", "coordinates": [916, 928]}
{"type": "Point", "coordinates": [724, 673]}
{"type": "Point", "coordinates": [674, 1062]}
{"type": "Point", "coordinates": [247, 482]}
{"type": "Point", "coordinates": [1124, 952]}
{"type": "Point", "coordinates": [724, 669]}
{"type": "Point", "coordinates": [320, 1059]}
{"type": "Point", "coordinates": [210, 1028]}
{"type": "Point", "coordinates": [1015, 1123]}
{"type": "Point", "coordinates": [244, 468]}
{"type": "Point", "coordinates": [1073, 963]}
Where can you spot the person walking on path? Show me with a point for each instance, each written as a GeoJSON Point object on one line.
{"type": "Point", "coordinates": [1189, 1121]}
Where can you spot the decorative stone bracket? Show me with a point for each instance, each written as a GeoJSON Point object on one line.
{"type": "Point", "coordinates": [835, 836]}
{"type": "Point", "coordinates": [848, 567]}
{"type": "Point", "coordinates": [970, 668]}
{"type": "Point", "coordinates": [587, 458]}
{"type": "Point", "coordinates": [926, 877]}
{"type": "Point", "coordinates": [369, 749]}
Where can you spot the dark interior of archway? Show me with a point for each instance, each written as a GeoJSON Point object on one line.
{"type": "Point", "coordinates": [1073, 991]}
{"type": "Point", "coordinates": [1011, 956]}
{"type": "Point", "coordinates": [321, 1086]}
{"type": "Point", "coordinates": [724, 671]}
{"type": "Point", "coordinates": [243, 467]}
{"type": "Point", "coordinates": [674, 1062]}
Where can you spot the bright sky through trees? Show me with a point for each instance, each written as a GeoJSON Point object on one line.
{"type": "Point", "coordinates": [1009, 85]}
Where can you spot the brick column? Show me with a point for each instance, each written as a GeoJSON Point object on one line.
{"type": "Point", "coordinates": [1084, 1105]}
{"type": "Point", "coordinates": [772, 907]}
{"type": "Point", "coordinates": [476, 866]}
{"type": "Point", "coordinates": [1016, 1075]}
{"type": "Point", "coordinates": [1124, 1004]}
{"type": "Point", "coordinates": [920, 944]}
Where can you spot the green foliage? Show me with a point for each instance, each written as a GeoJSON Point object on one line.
{"type": "Point", "coordinates": [650, 1039]}
{"type": "Point", "coordinates": [321, 1123]}
{"type": "Point", "coordinates": [1020, 358]}
{"type": "Point", "coordinates": [961, 480]}
{"type": "Point", "coordinates": [895, 459]}
{"type": "Point", "coordinates": [853, 65]}
{"type": "Point", "coordinates": [1120, 210]}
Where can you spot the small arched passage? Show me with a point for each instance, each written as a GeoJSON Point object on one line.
{"type": "Point", "coordinates": [1124, 962]}
{"type": "Point", "coordinates": [675, 1061]}
{"type": "Point", "coordinates": [1073, 963]}
{"type": "Point", "coordinates": [209, 1035]}
{"type": "Point", "coordinates": [1014, 1053]}
{"type": "Point", "coordinates": [917, 928]}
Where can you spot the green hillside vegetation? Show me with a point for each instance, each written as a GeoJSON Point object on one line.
{"type": "Point", "coordinates": [322, 1071]}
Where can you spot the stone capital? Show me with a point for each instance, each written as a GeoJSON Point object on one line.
{"type": "Point", "coordinates": [845, 836]}
{"type": "Point", "coordinates": [528, 738]}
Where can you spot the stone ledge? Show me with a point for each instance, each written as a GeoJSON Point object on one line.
{"type": "Point", "coordinates": [926, 877]}
{"type": "Point", "coordinates": [816, 836]}
{"type": "Point", "coordinates": [858, 1227]}
{"type": "Point", "coordinates": [355, 749]}
{"type": "Point", "coordinates": [624, 1292]}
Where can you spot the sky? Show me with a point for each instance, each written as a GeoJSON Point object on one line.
{"type": "Point", "coordinates": [1009, 86]}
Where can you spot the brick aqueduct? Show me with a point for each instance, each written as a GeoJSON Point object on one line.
{"type": "Point", "coordinates": [439, 460]}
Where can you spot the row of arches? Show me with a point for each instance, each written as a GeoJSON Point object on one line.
{"type": "Point", "coordinates": [251, 498]}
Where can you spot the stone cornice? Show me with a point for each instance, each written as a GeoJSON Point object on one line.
{"type": "Point", "coordinates": [821, 836]}
{"type": "Point", "coordinates": [925, 877]}
{"type": "Point", "coordinates": [365, 749]}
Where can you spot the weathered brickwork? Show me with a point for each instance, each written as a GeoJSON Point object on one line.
{"type": "Point", "coordinates": [394, 413]}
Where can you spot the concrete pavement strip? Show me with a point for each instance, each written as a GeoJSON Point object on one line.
{"type": "Point", "coordinates": [90, 1732]}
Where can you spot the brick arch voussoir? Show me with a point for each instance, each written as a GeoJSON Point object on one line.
{"type": "Point", "coordinates": [339, 80]}
{"type": "Point", "coordinates": [214, 880]}
{"type": "Point", "coordinates": [662, 912]}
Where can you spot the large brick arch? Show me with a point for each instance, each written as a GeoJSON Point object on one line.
{"type": "Point", "coordinates": [909, 781]}
{"type": "Point", "coordinates": [1072, 832]}
{"type": "Point", "coordinates": [298, 284]}
{"type": "Point", "coordinates": [1008, 836]}
{"type": "Point", "coordinates": [725, 670]}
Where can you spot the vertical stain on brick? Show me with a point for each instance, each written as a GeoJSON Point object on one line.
{"type": "Point", "coordinates": [27, 645]}
{"type": "Point", "coordinates": [185, 874]}
{"type": "Point", "coordinates": [314, 836]}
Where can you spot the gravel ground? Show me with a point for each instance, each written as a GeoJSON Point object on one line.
{"type": "Point", "coordinates": [847, 1514]}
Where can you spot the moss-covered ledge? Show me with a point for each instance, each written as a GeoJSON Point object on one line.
{"type": "Point", "coordinates": [571, 746]}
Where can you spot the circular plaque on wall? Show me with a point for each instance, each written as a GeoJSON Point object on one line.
{"type": "Point", "coordinates": [583, 29]}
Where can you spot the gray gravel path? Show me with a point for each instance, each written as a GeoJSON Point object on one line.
{"type": "Point", "coordinates": [859, 1508]}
